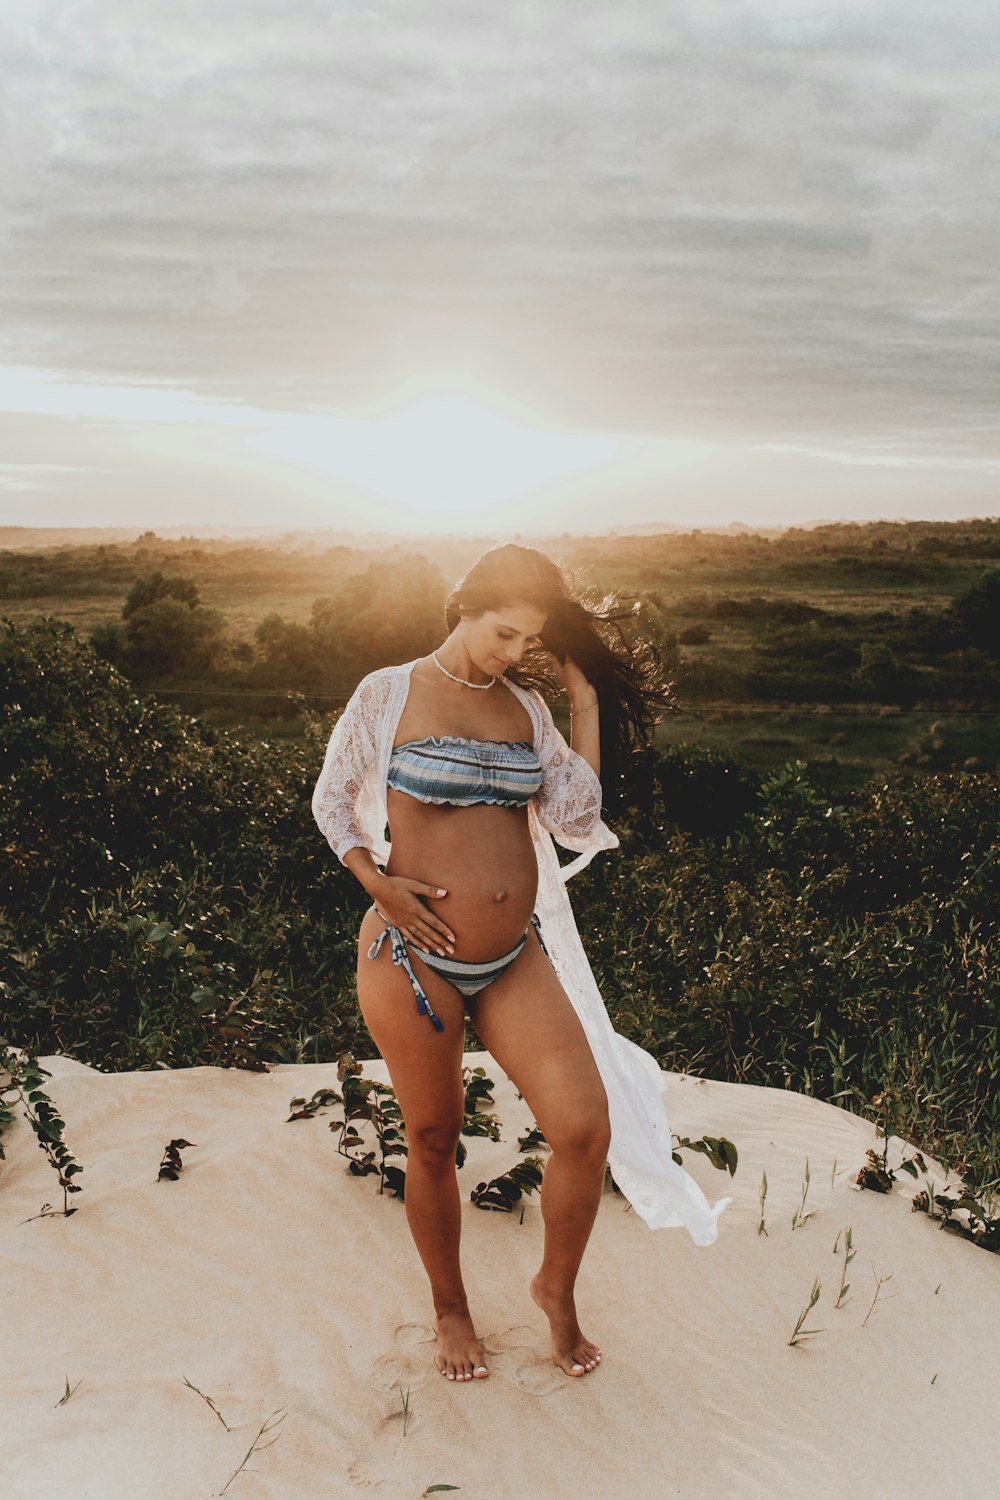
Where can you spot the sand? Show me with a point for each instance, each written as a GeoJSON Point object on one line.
{"type": "Point", "coordinates": [282, 1287]}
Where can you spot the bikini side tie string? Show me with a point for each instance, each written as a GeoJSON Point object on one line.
{"type": "Point", "coordinates": [400, 956]}
{"type": "Point", "coordinates": [538, 929]}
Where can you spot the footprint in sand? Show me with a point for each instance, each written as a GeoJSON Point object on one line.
{"type": "Point", "coordinates": [517, 1354]}
{"type": "Point", "coordinates": [393, 1423]}
{"type": "Point", "coordinates": [359, 1476]}
{"type": "Point", "coordinates": [410, 1361]}
{"type": "Point", "coordinates": [525, 1362]}
{"type": "Point", "coordinates": [538, 1376]}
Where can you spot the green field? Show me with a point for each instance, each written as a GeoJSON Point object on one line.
{"type": "Point", "coordinates": [852, 647]}
{"type": "Point", "coordinates": [857, 744]}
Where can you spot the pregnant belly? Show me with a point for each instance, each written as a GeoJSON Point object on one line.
{"type": "Point", "coordinates": [483, 857]}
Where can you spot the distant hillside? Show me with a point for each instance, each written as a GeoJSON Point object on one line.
{"type": "Point", "coordinates": [663, 528]}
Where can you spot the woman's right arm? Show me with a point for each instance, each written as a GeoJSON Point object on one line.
{"type": "Point", "coordinates": [351, 752]}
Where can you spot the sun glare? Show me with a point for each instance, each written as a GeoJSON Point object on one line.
{"type": "Point", "coordinates": [444, 455]}
{"type": "Point", "coordinates": [427, 449]}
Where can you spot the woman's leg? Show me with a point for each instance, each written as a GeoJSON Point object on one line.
{"type": "Point", "coordinates": [426, 1071]}
{"type": "Point", "coordinates": [527, 1021]}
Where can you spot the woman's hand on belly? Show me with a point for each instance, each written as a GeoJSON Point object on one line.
{"type": "Point", "coordinates": [402, 901]}
{"type": "Point", "coordinates": [483, 856]}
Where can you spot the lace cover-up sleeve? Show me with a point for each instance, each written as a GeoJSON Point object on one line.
{"type": "Point", "coordinates": [568, 803]}
{"type": "Point", "coordinates": [351, 754]}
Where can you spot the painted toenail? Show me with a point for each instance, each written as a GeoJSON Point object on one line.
{"type": "Point", "coordinates": [480, 1367]}
{"type": "Point", "coordinates": [576, 1366]}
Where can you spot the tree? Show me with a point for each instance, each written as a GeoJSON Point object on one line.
{"type": "Point", "coordinates": [154, 586]}
{"type": "Point", "coordinates": [390, 613]}
{"type": "Point", "coordinates": [882, 674]}
{"type": "Point", "coordinates": [978, 612]}
{"type": "Point", "coordinates": [108, 640]}
{"type": "Point", "coordinates": [286, 653]}
{"type": "Point", "coordinates": [166, 629]}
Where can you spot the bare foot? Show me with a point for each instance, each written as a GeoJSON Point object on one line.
{"type": "Point", "coordinates": [459, 1355]}
{"type": "Point", "coordinates": [570, 1350]}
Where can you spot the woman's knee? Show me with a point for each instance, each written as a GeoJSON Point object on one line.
{"type": "Point", "coordinates": [582, 1134]}
{"type": "Point", "coordinates": [434, 1140]}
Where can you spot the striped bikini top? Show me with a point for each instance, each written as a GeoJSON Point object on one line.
{"type": "Point", "coordinates": [451, 768]}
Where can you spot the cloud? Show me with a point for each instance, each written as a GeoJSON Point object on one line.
{"type": "Point", "coordinates": [771, 224]}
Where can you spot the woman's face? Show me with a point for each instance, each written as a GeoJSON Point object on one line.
{"type": "Point", "coordinates": [499, 637]}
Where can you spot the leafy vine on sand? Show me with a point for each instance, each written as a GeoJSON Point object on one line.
{"type": "Point", "coordinates": [980, 1226]}
{"type": "Point", "coordinates": [364, 1102]}
{"type": "Point", "coordinates": [24, 1081]}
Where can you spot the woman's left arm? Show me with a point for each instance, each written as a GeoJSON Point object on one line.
{"type": "Point", "coordinates": [584, 715]}
{"type": "Point", "coordinates": [568, 802]}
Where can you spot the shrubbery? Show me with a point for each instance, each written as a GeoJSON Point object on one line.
{"type": "Point", "coordinates": [167, 900]}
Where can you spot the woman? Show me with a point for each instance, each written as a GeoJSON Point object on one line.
{"type": "Point", "coordinates": [459, 753]}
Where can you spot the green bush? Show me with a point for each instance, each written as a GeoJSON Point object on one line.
{"type": "Point", "coordinates": [166, 899]}
{"type": "Point", "coordinates": [977, 610]}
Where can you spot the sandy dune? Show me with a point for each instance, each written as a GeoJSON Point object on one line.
{"type": "Point", "coordinates": [277, 1283]}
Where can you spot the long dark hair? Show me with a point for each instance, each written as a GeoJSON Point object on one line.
{"type": "Point", "coordinates": [627, 674]}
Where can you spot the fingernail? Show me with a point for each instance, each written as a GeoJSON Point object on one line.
{"type": "Point", "coordinates": [441, 891]}
{"type": "Point", "coordinates": [450, 948]}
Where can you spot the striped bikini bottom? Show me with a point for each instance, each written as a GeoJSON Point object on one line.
{"type": "Point", "coordinates": [468, 978]}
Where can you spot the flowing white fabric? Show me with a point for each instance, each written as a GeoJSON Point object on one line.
{"type": "Point", "coordinates": [349, 805]}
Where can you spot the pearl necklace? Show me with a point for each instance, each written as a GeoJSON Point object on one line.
{"type": "Point", "coordinates": [462, 680]}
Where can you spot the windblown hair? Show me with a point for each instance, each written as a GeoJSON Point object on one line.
{"type": "Point", "coordinates": [627, 675]}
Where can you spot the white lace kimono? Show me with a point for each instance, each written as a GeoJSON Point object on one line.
{"type": "Point", "coordinates": [349, 805]}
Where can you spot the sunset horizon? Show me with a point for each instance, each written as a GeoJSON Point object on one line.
{"type": "Point", "coordinates": [530, 272]}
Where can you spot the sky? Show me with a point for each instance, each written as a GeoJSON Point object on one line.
{"type": "Point", "coordinates": [431, 266]}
